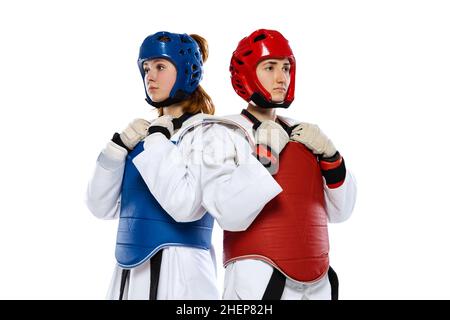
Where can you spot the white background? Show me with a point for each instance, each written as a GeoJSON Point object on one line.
{"type": "Point", "coordinates": [375, 75]}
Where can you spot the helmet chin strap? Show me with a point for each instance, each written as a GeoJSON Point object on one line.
{"type": "Point", "coordinates": [254, 104]}
{"type": "Point", "coordinates": [259, 100]}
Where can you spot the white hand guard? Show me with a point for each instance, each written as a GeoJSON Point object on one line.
{"type": "Point", "coordinates": [314, 139]}
{"type": "Point", "coordinates": [135, 132]}
{"type": "Point", "coordinates": [163, 125]}
{"type": "Point", "coordinates": [271, 134]}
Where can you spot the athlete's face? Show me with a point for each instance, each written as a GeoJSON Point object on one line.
{"type": "Point", "coordinates": [274, 76]}
{"type": "Point", "coordinates": [160, 76]}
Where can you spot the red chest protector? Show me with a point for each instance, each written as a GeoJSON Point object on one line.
{"type": "Point", "coordinates": [291, 231]}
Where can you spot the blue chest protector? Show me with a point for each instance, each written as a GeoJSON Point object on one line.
{"type": "Point", "coordinates": [145, 227]}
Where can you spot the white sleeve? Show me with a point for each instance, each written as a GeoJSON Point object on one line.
{"type": "Point", "coordinates": [235, 185]}
{"type": "Point", "coordinates": [171, 177]}
{"type": "Point", "coordinates": [340, 201]}
{"type": "Point", "coordinates": [103, 192]}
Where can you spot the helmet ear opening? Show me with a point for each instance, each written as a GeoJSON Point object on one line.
{"type": "Point", "coordinates": [185, 39]}
{"type": "Point", "coordinates": [259, 38]}
{"type": "Point", "coordinates": [164, 39]}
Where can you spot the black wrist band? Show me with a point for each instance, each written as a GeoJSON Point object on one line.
{"type": "Point", "coordinates": [160, 129]}
{"type": "Point", "coordinates": [117, 140]}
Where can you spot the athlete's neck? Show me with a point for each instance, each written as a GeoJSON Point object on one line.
{"type": "Point", "coordinates": [173, 110]}
{"type": "Point", "coordinates": [262, 113]}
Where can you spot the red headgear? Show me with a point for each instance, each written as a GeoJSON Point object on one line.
{"type": "Point", "coordinates": [260, 45]}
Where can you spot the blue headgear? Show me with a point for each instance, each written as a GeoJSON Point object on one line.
{"type": "Point", "coordinates": [184, 52]}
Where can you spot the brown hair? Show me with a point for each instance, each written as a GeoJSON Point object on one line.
{"type": "Point", "coordinates": [199, 100]}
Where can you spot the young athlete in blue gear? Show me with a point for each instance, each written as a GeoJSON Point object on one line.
{"type": "Point", "coordinates": [284, 252]}
{"type": "Point", "coordinates": [161, 177]}
{"type": "Point", "coordinates": [157, 258]}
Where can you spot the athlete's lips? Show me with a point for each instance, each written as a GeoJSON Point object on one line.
{"type": "Point", "coordinates": [279, 89]}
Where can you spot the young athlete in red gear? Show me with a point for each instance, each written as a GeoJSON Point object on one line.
{"type": "Point", "coordinates": [284, 252]}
